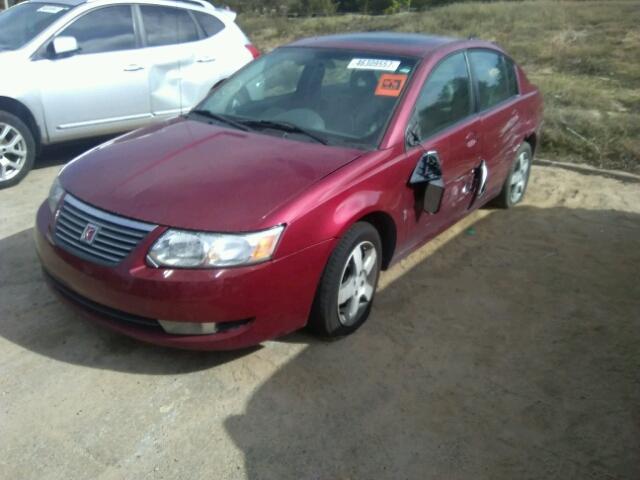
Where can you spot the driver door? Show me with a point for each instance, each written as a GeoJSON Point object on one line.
{"type": "Point", "coordinates": [444, 125]}
{"type": "Point", "coordinates": [103, 88]}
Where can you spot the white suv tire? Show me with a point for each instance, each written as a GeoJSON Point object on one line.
{"type": "Point", "coordinates": [17, 149]}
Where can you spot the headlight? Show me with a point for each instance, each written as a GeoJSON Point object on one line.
{"type": "Point", "coordinates": [55, 194]}
{"type": "Point", "coordinates": [181, 248]}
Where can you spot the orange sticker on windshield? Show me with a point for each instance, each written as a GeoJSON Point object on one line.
{"type": "Point", "coordinates": [390, 85]}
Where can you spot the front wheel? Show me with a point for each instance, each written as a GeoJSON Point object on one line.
{"type": "Point", "coordinates": [516, 183]}
{"type": "Point", "coordinates": [17, 149]}
{"type": "Point", "coordinates": [345, 294]}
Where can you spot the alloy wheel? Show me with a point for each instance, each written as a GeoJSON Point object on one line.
{"type": "Point", "coordinates": [357, 283]}
{"type": "Point", "coordinates": [519, 177]}
{"type": "Point", "coordinates": [13, 152]}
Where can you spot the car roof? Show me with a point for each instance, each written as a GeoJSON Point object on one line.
{"type": "Point", "coordinates": [412, 44]}
{"type": "Point", "coordinates": [70, 3]}
{"type": "Point", "coordinates": [75, 3]}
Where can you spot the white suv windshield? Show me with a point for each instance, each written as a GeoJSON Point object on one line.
{"type": "Point", "coordinates": [337, 96]}
{"type": "Point", "coordinates": [19, 24]}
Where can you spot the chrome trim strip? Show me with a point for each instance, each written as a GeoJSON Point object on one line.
{"type": "Point", "coordinates": [115, 239]}
{"type": "Point", "coordinates": [68, 126]}
{"type": "Point", "coordinates": [101, 214]}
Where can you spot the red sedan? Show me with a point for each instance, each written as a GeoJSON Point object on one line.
{"type": "Point", "coordinates": [276, 202]}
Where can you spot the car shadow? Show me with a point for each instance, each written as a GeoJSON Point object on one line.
{"type": "Point", "coordinates": [512, 352]}
{"type": "Point", "coordinates": [34, 318]}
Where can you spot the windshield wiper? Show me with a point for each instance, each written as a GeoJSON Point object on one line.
{"type": "Point", "coordinates": [285, 127]}
{"type": "Point", "coordinates": [220, 118]}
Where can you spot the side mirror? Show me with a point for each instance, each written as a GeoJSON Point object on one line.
{"type": "Point", "coordinates": [65, 45]}
{"type": "Point", "coordinates": [427, 176]}
{"type": "Point", "coordinates": [427, 170]}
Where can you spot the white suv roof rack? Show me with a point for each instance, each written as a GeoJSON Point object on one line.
{"type": "Point", "coordinates": [199, 3]}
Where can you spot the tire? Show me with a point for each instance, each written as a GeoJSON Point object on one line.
{"type": "Point", "coordinates": [511, 194]}
{"type": "Point", "coordinates": [329, 318]}
{"type": "Point", "coordinates": [17, 149]}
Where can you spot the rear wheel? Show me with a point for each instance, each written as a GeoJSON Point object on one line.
{"type": "Point", "coordinates": [516, 183]}
{"type": "Point", "coordinates": [17, 149]}
{"type": "Point", "coordinates": [345, 294]}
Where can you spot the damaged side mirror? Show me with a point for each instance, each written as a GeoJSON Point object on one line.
{"type": "Point", "coordinates": [428, 175]}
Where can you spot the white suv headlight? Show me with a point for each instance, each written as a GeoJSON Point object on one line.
{"type": "Point", "coordinates": [185, 249]}
{"type": "Point", "coordinates": [55, 194]}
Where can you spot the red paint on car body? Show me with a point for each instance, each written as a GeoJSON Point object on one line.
{"type": "Point", "coordinates": [197, 176]}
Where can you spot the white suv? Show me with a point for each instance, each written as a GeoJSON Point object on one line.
{"type": "Point", "coordinates": [79, 68]}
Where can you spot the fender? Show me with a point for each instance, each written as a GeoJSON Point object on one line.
{"type": "Point", "coordinates": [330, 207]}
{"type": "Point", "coordinates": [19, 94]}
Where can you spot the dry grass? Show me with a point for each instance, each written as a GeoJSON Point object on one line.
{"type": "Point", "coordinates": [585, 56]}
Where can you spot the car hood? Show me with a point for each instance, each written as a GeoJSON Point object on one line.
{"type": "Point", "coordinates": [194, 175]}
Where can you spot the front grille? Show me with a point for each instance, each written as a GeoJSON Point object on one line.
{"type": "Point", "coordinates": [96, 235]}
{"type": "Point", "coordinates": [99, 309]}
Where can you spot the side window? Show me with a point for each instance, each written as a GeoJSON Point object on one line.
{"type": "Point", "coordinates": [210, 24]}
{"type": "Point", "coordinates": [445, 97]}
{"type": "Point", "coordinates": [105, 30]}
{"type": "Point", "coordinates": [167, 26]}
{"type": "Point", "coordinates": [512, 79]}
{"type": "Point", "coordinates": [492, 78]}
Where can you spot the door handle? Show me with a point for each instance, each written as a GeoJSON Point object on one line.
{"type": "Point", "coordinates": [484, 174]}
{"type": "Point", "coordinates": [481, 173]}
{"type": "Point", "coordinates": [206, 60]}
{"type": "Point", "coordinates": [133, 68]}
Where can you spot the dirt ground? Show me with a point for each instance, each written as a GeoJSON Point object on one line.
{"type": "Point", "coordinates": [508, 348]}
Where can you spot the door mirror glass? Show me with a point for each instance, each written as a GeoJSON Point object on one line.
{"type": "Point", "coordinates": [427, 179]}
{"type": "Point", "coordinates": [65, 45]}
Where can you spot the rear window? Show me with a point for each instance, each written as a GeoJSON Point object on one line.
{"type": "Point", "coordinates": [512, 78]}
{"type": "Point", "coordinates": [209, 24]}
{"type": "Point", "coordinates": [167, 26]}
{"type": "Point", "coordinates": [494, 84]}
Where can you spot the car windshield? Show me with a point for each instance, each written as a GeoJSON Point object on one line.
{"type": "Point", "coordinates": [331, 96]}
{"type": "Point", "coordinates": [20, 24]}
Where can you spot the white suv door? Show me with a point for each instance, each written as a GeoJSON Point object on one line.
{"type": "Point", "coordinates": [104, 87]}
{"type": "Point", "coordinates": [168, 35]}
{"type": "Point", "coordinates": [188, 51]}
{"type": "Point", "coordinates": [219, 54]}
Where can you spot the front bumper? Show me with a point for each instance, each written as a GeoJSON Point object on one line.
{"type": "Point", "coordinates": [257, 302]}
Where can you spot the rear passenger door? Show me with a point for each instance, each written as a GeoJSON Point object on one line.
{"type": "Point", "coordinates": [496, 89]}
{"type": "Point", "coordinates": [168, 34]}
{"type": "Point", "coordinates": [444, 123]}
{"type": "Point", "coordinates": [208, 60]}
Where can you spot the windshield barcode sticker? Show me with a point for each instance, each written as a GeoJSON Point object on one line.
{"type": "Point", "coordinates": [51, 9]}
{"type": "Point", "coordinates": [374, 64]}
